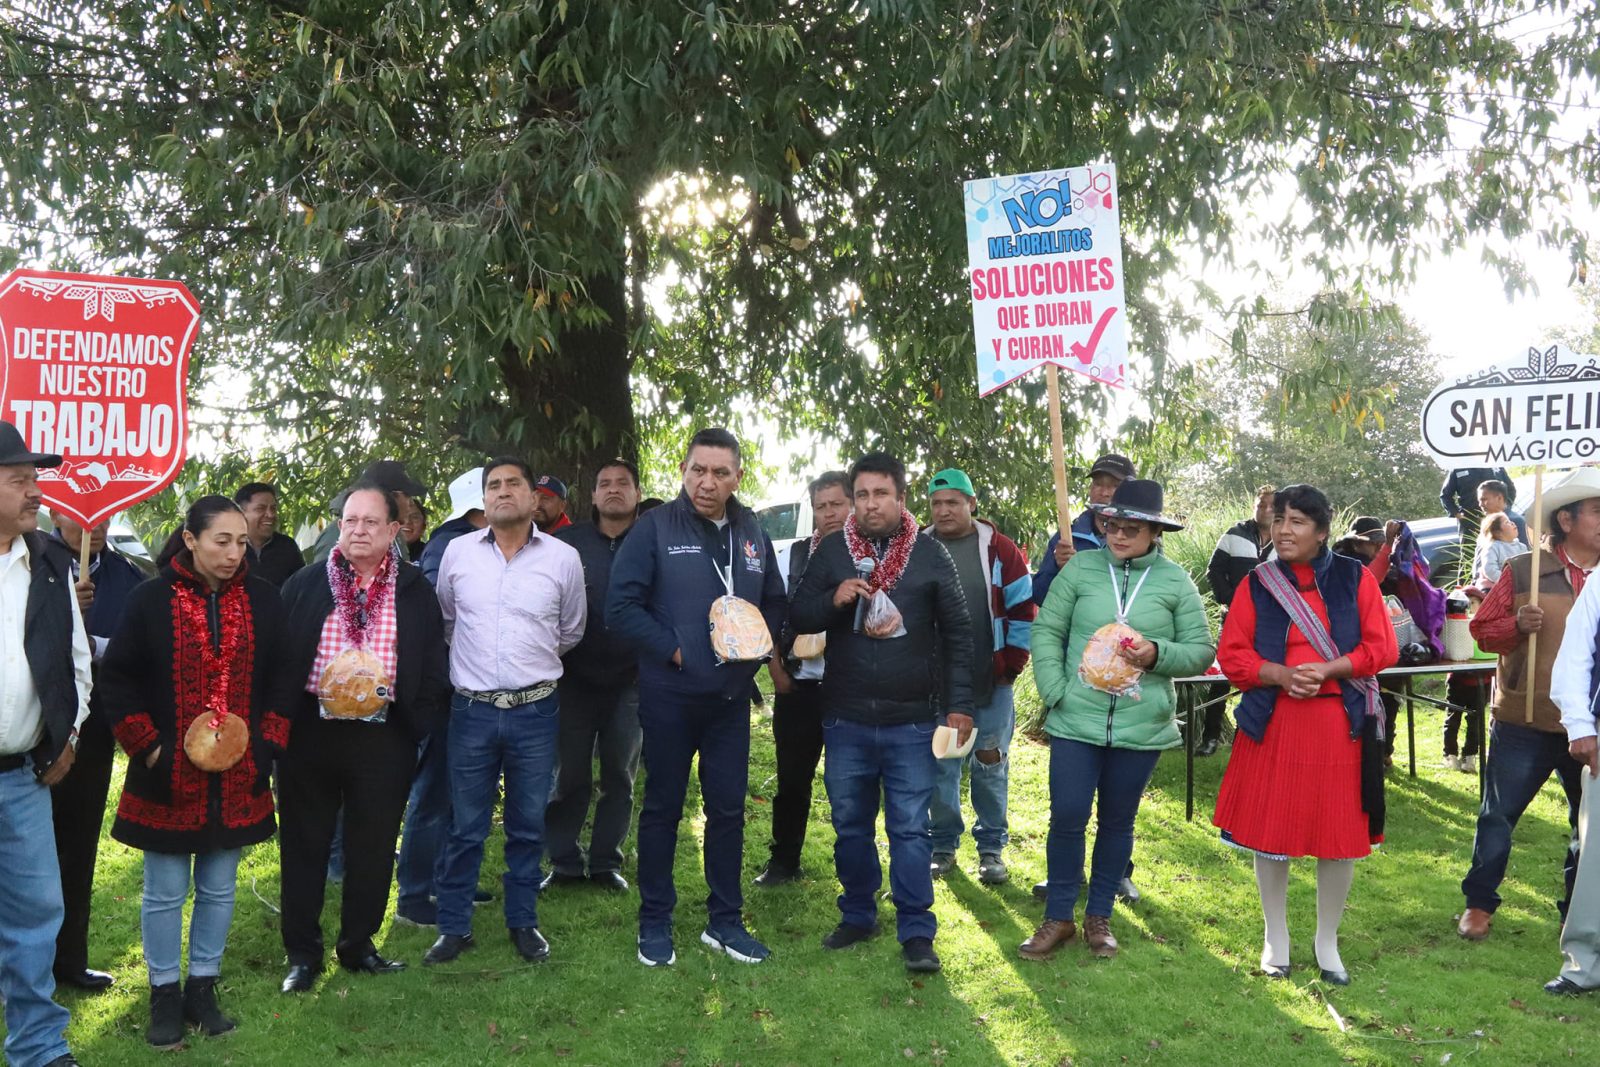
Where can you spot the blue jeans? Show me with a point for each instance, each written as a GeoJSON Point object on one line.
{"type": "Point", "coordinates": [1520, 762]}
{"type": "Point", "coordinates": [427, 823]}
{"type": "Point", "coordinates": [994, 724]}
{"type": "Point", "coordinates": [677, 727]}
{"type": "Point", "coordinates": [30, 917]}
{"type": "Point", "coordinates": [484, 742]}
{"type": "Point", "coordinates": [859, 761]}
{"type": "Point", "coordinates": [166, 887]}
{"type": "Point", "coordinates": [1078, 772]}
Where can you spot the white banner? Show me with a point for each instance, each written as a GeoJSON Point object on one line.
{"type": "Point", "coordinates": [1044, 252]}
{"type": "Point", "coordinates": [1542, 407]}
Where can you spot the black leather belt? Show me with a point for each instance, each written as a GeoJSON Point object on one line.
{"type": "Point", "coordinates": [13, 762]}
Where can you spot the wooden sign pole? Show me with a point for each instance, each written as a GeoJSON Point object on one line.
{"type": "Point", "coordinates": [1058, 452]}
{"type": "Point", "coordinates": [1537, 535]}
{"type": "Point", "coordinates": [83, 557]}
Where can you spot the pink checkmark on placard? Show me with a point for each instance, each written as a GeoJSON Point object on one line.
{"type": "Point", "coordinates": [1085, 352]}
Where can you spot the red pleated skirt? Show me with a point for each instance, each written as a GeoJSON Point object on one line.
{"type": "Point", "coordinates": [1298, 791]}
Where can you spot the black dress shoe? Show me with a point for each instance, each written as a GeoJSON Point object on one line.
{"type": "Point", "coordinates": [64, 1061]}
{"type": "Point", "coordinates": [1335, 977]}
{"type": "Point", "coordinates": [777, 874]}
{"type": "Point", "coordinates": [530, 944]}
{"type": "Point", "coordinates": [372, 963]}
{"type": "Point", "coordinates": [609, 880]}
{"type": "Point", "coordinates": [1564, 987]}
{"type": "Point", "coordinates": [90, 981]}
{"type": "Point", "coordinates": [447, 948]}
{"type": "Point", "coordinates": [555, 878]}
{"type": "Point", "coordinates": [1276, 973]}
{"type": "Point", "coordinates": [1207, 747]}
{"type": "Point", "coordinates": [300, 978]}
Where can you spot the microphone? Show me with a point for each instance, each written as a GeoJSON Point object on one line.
{"type": "Point", "coordinates": [864, 569]}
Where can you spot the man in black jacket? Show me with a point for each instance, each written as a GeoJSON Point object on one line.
{"type": "Point", "coordinates": [1238, 552]}
{"type": "Point", "coordinates": [679, 559]}
{"type": "Point", "coordinates": [599, 704]}
{"type": "Point", "coordinates": [42, 708]}
{"type": "Point", "coordinates": [273, 555]}
{"type": "Point", "coordinates": [797, 696]}
{"type": "Point", "coordinates": [79, 803]}
{"type": "Point", "coordinates": [364, 603]}
{"type": "Point", "coordinates": [885, 688]}
{"type": "Point", "coordinates": [1458, 495]}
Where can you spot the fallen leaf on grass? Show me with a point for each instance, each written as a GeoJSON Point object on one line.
{"type": "Point", "coordinates": [494, 1030]}
{"type": "Point", "coordinates": [1519, 1005]}
{"type": "Point", "coordinates": [1153, 1044]}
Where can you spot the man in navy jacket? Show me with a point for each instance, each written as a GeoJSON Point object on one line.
{"type": "Point", "coordinates": [675, 563]}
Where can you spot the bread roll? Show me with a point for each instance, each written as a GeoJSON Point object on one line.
{"type": "Point", "coordinates": [354, 685]}
{"type": "Point", "coordinates": [1102, 667]}
{"type": "Point", "coordinates": [810, 646]}
{"type": "Point", "coordinates": [216, 741]}
{"type": "Point", "coordinates": [738, 632]}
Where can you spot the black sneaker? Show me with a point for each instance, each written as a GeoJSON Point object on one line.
{"type": "Point", "coordinates": [777, 874]}
{"type": "Point", "coordinates": [846, 934]}
{"type": "Point", "coordinates": [919, 955]}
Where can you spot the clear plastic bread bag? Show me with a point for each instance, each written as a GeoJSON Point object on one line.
{"type": "Point", "coordinates": [1102, 667]}
{"type": "Point", "coordinates": [882, 618]}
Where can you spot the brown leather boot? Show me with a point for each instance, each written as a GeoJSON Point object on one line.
{"type": "Point", "coordinates": [1097, 935]}
{"type": "Point", "coordinates": [1051, 935]}
{"type": "Point", "coordinates": [1474, 924]}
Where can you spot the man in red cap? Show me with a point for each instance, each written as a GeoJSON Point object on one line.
{"type": "Point", "coordinates": [550, 504]}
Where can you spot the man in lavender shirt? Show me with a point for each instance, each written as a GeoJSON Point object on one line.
{"type": "Point", "coordinates": [513, 604]}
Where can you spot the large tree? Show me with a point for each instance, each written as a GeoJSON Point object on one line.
{"type": "Point", "coordinates": [442, 228]}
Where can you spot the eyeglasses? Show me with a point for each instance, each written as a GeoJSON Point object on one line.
{"type": "Point", "coordinates": [1125, 529]}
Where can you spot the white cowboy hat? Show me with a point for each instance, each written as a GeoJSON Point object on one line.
{"type": "Point", "coordinates": [1580, 484]}
{"type": "Point", "coordinates": [466, 493]}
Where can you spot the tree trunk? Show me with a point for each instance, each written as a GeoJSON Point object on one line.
{"type": "Point", "coordinates": [576, 402]}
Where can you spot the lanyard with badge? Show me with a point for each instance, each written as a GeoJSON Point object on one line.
{"type": "Point", "coordinates": [1102, 666]}
{"type": "Point", "coordinates": [738, 632]}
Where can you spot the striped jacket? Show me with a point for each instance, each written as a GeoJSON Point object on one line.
{"type": "Point", "coordinates": [1238, 553]}
{"type": "Point", "coordinates": [1011, 606]}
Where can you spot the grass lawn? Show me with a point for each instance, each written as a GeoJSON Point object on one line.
{"type": "Point", "coordinates": [1182, 991]}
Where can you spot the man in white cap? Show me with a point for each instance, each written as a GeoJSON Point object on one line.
{"type": "Point", "coordinates": [466, 515]}
{"type": "Point", "coordinates": [1523, 753]}
{"type": "Point", "coordinates": [428, 809]}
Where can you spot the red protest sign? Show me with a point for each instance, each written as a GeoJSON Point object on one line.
{"type": "Point", "coordinates": [96, 368]}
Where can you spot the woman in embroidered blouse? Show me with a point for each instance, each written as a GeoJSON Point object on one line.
{"type": "Point", "coordinates": [202, 639]}
{"type": "Point", "coordinates": [1305, 776]}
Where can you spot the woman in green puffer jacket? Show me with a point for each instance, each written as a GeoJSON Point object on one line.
{"type": "Point", "coordinates": [1102, 744]}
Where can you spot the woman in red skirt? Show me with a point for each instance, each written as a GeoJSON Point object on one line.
{"type": "Point", "coordinates": [1304, 639]}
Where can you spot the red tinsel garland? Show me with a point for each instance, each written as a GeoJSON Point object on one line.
{"type": "Point", "coordinates": [342, 580]}
{"type": "Point", "coordinates": [894, 561]}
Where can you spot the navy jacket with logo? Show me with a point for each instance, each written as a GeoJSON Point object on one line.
{"type": "Point", "coordinates": [663, 582]}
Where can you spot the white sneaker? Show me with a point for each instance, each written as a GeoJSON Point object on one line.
{"type": "Point", "coordinates": [1467, 764]}
{"type": "Point", "coordinates": [1451, 763]}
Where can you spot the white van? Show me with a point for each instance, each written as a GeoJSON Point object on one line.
{"type": "Point", "coordinates": [786, 520]}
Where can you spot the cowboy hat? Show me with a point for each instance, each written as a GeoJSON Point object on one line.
{"type": "Point", "coordinates": [1363, 528]}
{"type": "Point", "coordinates": [1580, 484]}
{"type": "Point", "coordinates": [1139, 499]}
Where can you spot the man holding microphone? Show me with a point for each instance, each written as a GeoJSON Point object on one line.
{"type": "Point", "coordinates": [890, 676]}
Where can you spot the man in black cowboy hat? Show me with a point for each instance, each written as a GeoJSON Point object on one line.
{"type": "Point", "coordinates": [41, 709]}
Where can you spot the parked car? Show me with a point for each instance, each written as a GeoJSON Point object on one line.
{"type": "Point", "coordinates": [786, 520]}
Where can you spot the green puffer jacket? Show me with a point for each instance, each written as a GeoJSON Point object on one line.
{"type": "Point", "coordinates": [1166, 610]}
